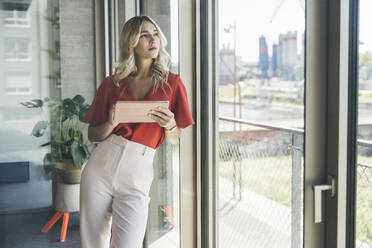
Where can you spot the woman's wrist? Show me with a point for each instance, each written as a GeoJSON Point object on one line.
{"type": "Point", "coordinates": [172, 127]}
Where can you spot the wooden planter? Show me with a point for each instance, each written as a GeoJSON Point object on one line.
{"type": "Point", "coordinates": [68, 173]}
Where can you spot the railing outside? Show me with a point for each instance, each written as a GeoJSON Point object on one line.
{"type": "Point", "coordinates": [364, 195]}
{"type": "Point", "coordinates": [267, 160]}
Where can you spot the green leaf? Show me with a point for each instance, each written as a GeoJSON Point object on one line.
{"type": "Point", "coordinates": [50, 160]}
{"type": "Point", "coordinates": [78, 136]}
{"type": "Point", "coordinates": [59, 111]}
{"type": "Point", "coordinates": [35, 103]}
{"type": "Point", "coordinates": [48, 168]}
{"type": "Point", "coordinates": [39, 128]}
{"type": "Point", "coordinates": [52, 102]}
{"type": "Point", "coordinates": [83, 112]}
{"type": "Point", "coordinates": [86, 150]}
{"type": "Point", "coordinates": [71, 132]}
{"type": "Point", "coordinates": [46, 144]}
{"type": "Point", "coordinates": [66, 149]}
{"type": "Point", "coordinates": [78, 100]}
{"type": "Point", "coordinates": [69, 108]}
{"type": "Point", "coordinates": [79, 154]}
{"type": "Point", "coordinates": [69, 142]}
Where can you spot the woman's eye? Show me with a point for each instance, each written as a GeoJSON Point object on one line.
{"type": "Point", "coordinates": [156, 34]}
{"type": "Point", "coordinates": [144, 35]}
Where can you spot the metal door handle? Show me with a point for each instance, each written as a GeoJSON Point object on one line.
{"type": "Point", "coordinates": [318, 189]}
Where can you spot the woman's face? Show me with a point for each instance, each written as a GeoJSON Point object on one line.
{"type": "Point", "coordinates": [149, 42]}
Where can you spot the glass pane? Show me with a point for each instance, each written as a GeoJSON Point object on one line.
{"type": "Point", "coordinates": [21, 14]}
{"type": "Point", "coordinates": [18, 16]}
{"type": "Point", "coordinates": [23, 81]}
{"type": "Point", "coordinates": [23, 45]}
{"type": "Point", "coordinates": [163, 222]}
{"type": "Point", "coordinates": [364, 159]}
{"type": "Point", "coordinates": [261, 82]}
{"type": "Point", "coordinates": [44, 59]}
{"type": "Point", "coordinates": [18, 82]}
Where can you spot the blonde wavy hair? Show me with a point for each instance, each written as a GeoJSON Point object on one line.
{"type": "Point", "coordinates": [126, 66]}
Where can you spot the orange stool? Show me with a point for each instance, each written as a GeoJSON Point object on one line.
{"type": "Point", "coordinates": [169, 214]}
{"type": "Point", "coordinates": [53, 221]}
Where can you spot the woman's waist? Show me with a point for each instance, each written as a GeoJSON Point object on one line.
{"type": "Point", "coordinates": [123, 142]}
{"type": "Point", "coordinates": [150, 137]}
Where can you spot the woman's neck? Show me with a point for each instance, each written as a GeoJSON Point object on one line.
{"type": "Point", "coordinates": [143, 68]}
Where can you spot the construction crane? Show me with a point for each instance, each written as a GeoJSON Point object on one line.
{"type": "Point", "coordinates": [277, 8]}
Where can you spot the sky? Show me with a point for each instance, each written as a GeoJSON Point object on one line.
{"type": "Point", "coordinates": [174, 33]}
{"type": "Point", "coordinates": [253, 19]}
{"type": "Point", "coordinates": [365, 34]}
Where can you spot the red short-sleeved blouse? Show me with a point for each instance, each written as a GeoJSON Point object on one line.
{"type": "Point", "coordinates": [149, 134]}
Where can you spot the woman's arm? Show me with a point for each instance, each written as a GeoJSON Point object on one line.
{"type": "Point", "coordinates": [173, 135]}
{"type": "Point", "coordinates": [100, 132]}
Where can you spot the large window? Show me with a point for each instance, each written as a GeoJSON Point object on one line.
{"type": "Point", "coordinates": [364, 148]}
{"type": "Point", "coordinates": [42, 55]}
{"type": "Point", "coordinates": [163, 224]}
{"type": "Point", "coordinates": [261, 122]}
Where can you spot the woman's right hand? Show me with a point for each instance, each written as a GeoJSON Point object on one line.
{"type": "Point", "coordinates": [97, 133]}
{"type": "Point", "coordinates": [111, 119]}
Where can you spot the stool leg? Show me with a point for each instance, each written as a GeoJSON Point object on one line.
{"type": "Point", "coordinates": [169, 213]}
{"type": "Point", "coordinates": [51, 222]}
{"type": "Point", "coordinates": [64, 226]}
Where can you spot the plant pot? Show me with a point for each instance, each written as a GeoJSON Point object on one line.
{"type": "Point", "coordinates": [71, 176]}
{"type": "Point", "coordinates": [67, 197]}
{"type": "Point", "coordinates": [68, 173]}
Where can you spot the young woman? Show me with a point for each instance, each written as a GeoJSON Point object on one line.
{"type": "Point", "coordinates": [115, 183]}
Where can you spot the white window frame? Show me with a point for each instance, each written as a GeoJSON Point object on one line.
{"type": "Point", "coordinates": [17, 22]}
{"type": "Point", "coordinates": [15, 56]}
{"type": "Point", "coordinates": [17, 91]}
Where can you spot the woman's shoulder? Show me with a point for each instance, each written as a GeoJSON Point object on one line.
{"type": "Point", "coordinates": [174, 79]}
{"type": "Point", "coordinates": [108, 82]}
{"type": "Point", "coordinates": [109, 79]}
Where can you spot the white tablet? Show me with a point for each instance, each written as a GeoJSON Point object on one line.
{"type": "Point", "coordinates": [136, 111]}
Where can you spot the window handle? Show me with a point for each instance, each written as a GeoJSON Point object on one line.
{"type": "Point", "coordinates": [318, 189]}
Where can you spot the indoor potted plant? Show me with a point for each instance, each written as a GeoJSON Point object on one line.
{"type": "Point", "coordinates": [68, 152]}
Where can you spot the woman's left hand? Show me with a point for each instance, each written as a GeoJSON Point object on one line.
{"type": "Point", "coordinates": [163, 116]}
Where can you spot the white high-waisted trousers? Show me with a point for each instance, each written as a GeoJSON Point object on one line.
{"type": "Point", "coordinates": [114, 194]}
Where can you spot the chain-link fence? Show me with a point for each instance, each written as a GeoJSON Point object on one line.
{"type": "Point", "coordinates": [364, 195]}
{"type": "Point", "coordinates": [261, 188]}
